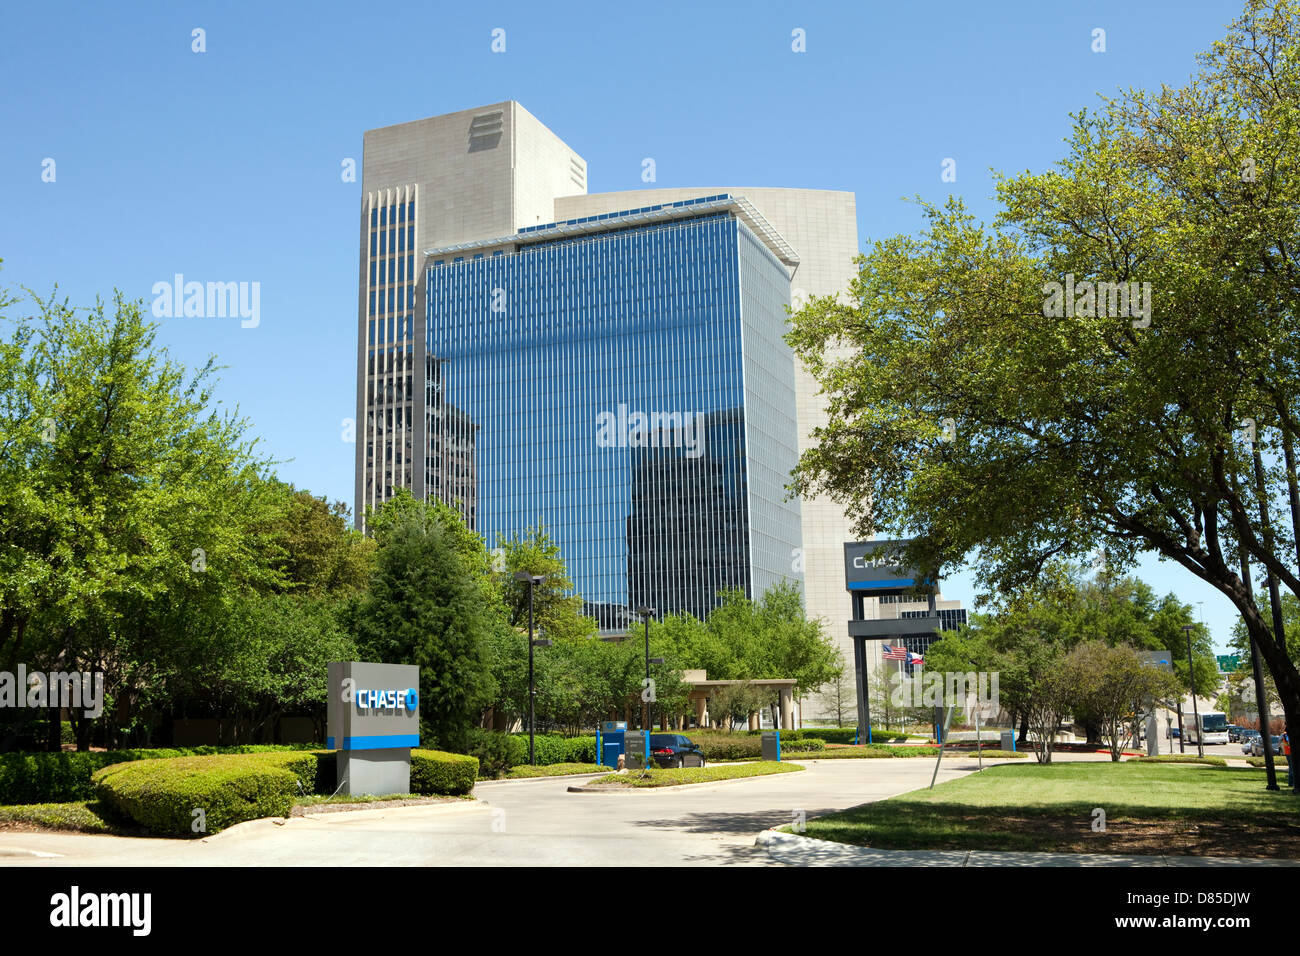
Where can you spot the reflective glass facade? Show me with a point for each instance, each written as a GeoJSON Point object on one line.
{"type": "Point", "coordinates": [629, 391]}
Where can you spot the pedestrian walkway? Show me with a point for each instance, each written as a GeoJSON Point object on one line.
{"type": "Point", "coordinates": [795, 850]}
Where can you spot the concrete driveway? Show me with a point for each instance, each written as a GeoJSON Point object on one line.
{"type": "Point", "coordinates": [519, 823]}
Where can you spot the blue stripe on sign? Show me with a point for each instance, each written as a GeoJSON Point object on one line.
{"type": "Point", "coordinates": [381, 742]}
{"type": "Point", "coordinates": [870, 585]}
{"type": "Point", "coordinates": [329, 743]}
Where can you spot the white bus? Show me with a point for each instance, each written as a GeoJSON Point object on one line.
{"type": "Point", "coordinates": [1213, 729]}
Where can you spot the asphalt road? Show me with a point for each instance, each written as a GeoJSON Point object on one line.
{"type": "Point", "coordinates": [518, 823]}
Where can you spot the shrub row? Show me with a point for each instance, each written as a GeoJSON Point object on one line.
{"type": "Point", "coordinates": [1210, 759]}
{"type": "Point", "coordinates": [162, 796]}
{"type": "Point", "coordinates": [868, 752]}
{"type": "Point", "coordinates": [65, 777]}
{"type": "Point", "coordinates": [499, 752]}
{"type": "Point", "coordinates": [1279, 760]}
{"type": "Point", "coordinates": [720, 745]}
{"type": "Point", "coordinates": [832, 735]}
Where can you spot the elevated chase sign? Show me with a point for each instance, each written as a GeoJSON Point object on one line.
{"type": "Point", "coordinates": [373, 721]}
{"type": "Point", "coordinates": [871, 567]}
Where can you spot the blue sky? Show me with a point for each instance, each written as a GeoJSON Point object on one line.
{"type": "Point", "coordinates": [225, 165]}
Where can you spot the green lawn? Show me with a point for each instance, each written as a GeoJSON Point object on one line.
{"type": "Point", "coordinates": [555, 770]}
{"type": "Point", "coordinates": [1151, 808]}
{"type": "Point", "coordinates": [676, 777]}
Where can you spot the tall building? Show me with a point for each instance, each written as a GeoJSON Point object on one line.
{"type": "Point", "coordinates": [608, 365]}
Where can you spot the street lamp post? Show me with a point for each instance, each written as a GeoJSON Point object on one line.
{"type": "Point", "coordinates": [646, 613]}
{"type": "Point", "coordinates": [532, 580]}
{"type": "Point", "coordinates": [1196, 714]}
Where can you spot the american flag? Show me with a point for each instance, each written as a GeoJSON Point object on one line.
{"type": "Point", "coordinates": [893, 652]}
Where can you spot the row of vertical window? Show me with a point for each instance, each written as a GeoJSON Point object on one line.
{"type": "Point", "coordinates": [393, 239]}
{"type": "Point", "coordinates": [395, 300]}
{"type": "Point", "coordinates": [400, 269]}
{"type": "Point", "coordinates": [400, 327]}
{"type": "Point", "coordinates": [388, 215]}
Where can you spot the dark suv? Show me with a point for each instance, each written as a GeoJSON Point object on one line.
{"type": "Point", "coordinates": [667, 750]}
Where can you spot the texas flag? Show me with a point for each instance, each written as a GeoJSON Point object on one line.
{"type": "Point", "coordinates": [915, 658]}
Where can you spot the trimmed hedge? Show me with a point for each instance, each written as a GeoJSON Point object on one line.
{"type": "Point", "coordinates": [498, 752]}
{"type": "Point", "coordinates": [1209, 759]}
{"type": "Point", "coordinates": [720, 745]}
{"type": "Point", "coordinates": [1279, 760]}
{"type": "Point", "coordinates": [872, 751]}
{"type": "Point", "coordinates": [444, 774]}
{"type": "Point", "coordinates": [162, 795]}
{"type": "Point", "coordinates": [80, 816]}
{"type": "Point", "coordinates": [832, 735]}
{"type": "Point", "coordinates": [65, 777]}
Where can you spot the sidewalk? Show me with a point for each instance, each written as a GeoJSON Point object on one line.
{"type": "Point", "coordinates": [797, 850]}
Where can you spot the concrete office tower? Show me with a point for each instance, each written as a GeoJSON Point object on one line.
{"type": "Point", "coordinates": [475, 179]}
{"type": "Point", "coordinates": [480, 172]}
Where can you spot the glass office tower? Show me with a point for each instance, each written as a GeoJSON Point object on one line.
{"type": "Point", "coordinates": [622, 382]}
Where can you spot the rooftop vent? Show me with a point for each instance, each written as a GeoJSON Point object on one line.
{"type": "Point", "coordinates": [485, 130]}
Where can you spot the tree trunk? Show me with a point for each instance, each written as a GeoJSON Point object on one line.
{"type": "Point", "coordinates": [1092, 731]}
{"type": "Point", "coordinates": [54, 731]}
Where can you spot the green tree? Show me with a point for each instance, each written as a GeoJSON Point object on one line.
{"type": "Point", "coordinates": [1100, 428]}
{"type": "Point", "coordinates": [771, 638]}
{"type": "Point", "coordinates": [556, 609]}
{"type": "Point", "coordinates": [425, 608]}
{"type": "Point", "coordinates": [322, 554]}
{"type": "Point", "coordinates": [1115, 686]}
{"type": "Point", "coordinates": [125, 499]}
{"type": "Point", "coordinates": [733, 703]}
{"type": "Point", "coordinates": [839, 696]}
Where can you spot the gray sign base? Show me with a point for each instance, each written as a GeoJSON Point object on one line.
{"type": "Point", "coordinates": [374, 772]}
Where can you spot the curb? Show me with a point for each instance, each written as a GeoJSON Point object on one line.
{"type": "Point", "coordinates": [809, 851]}
{"type": "Point", "coordinates": [816, 852]}
{"type": "Point", "coordinates": [264, 822]}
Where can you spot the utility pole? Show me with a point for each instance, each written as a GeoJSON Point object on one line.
{"type": "Point", "coordinates": [646, 613]}
{"type": "Point", "coordinates": [531, 580]}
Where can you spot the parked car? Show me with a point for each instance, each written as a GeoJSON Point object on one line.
{"type": "Point", "coordinates": [1234, 734]}
{"type": "Point", "coordinates": [668, 750]}
{"type": "Point", "coordinates": [1255, 746]}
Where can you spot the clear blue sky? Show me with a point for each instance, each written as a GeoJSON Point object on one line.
{"type": "Point", "coordinates": [225, 165]}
